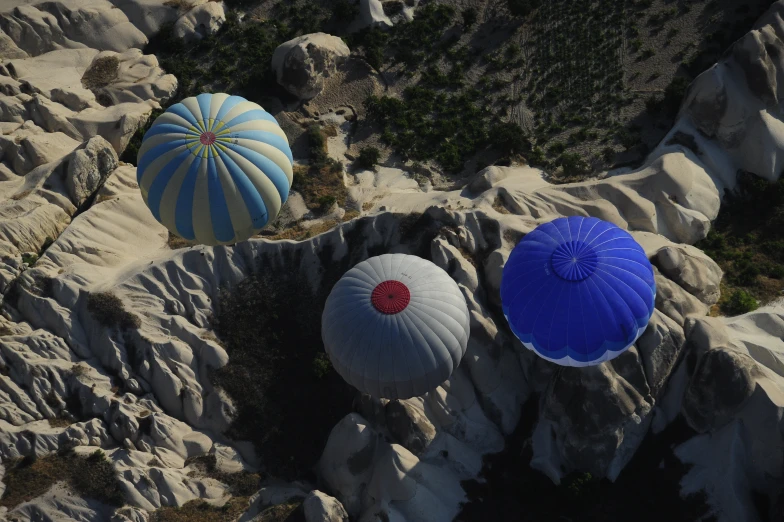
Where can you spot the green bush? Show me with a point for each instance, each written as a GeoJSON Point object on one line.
{"type": "Point", "coordinates": [326, 202]}
{"type": "Point", "coordinates": [556, 148]}
{"type": "Point", "coordinates": [321, 365]}
{"type": "Point", "coordinates": [509, 138]}
{"type": "Point", "coordinates": [573, 164]}
{"type": "Point", "coordinates": [368, 158]}
{"type": "Point", "coordinates": [740, 302]}
{"type": "Point", "coordinates": [537, 157]}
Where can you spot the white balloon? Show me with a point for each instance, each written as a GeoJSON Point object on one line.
{"type": "Point", "coordinates": [395, 326]}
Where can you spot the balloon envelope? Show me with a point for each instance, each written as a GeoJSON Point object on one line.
{"type": "Point", "coordinates": [215, 169]}
{"type": "Point", "coordinates": [395, 326]}
{"type": "Point", "coordinates": [578, 291]}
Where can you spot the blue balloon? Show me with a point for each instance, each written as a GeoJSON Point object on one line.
{"type": "Point", "coordinates": [578, 291]}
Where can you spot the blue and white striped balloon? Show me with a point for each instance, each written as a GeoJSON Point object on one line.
{"type": "Point", "coordinates": [215, 169]}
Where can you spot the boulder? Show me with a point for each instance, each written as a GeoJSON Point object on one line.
{"type": "Point", "coordinates": [692, 270]}
{"type": "Point", "coordinates": [660, 347]}
{"type": "Point", "coordinates": [88, 168]}
{"type": "Point", "coordinates": [722, 382]}
{"type": "Point", "coordinates": [302, 64]}
{"type": "Point", "coordinates": [488, 177]}
{"type": "Point", "coordinates": [597, 417]}
{"type": "Point", "coordinates": [320, 507]}
{"type": "Point", "coordinates": [724, 378]}
{"type": "Point", "coordinates": [675, 302]}
{"type": "Point", "coordinates": [201, 21]}
{"type": "Point", "coordinates": [409, 427]}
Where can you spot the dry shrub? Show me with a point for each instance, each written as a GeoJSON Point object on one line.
{"type": "Point", "coordinates": [110, 312]}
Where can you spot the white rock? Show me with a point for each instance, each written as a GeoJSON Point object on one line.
{"type": "Point", "coordinates": [44, 26]}
{"type": "Point", "coordinates": [201, 21]}
{"type": "Point", "coordinates": [320, 507]}
{"type": "Point", "coordinates": [302, 64]}
{"type": "Point", "coordinates": [372, 14]}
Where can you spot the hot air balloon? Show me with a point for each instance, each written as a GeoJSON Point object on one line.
{"type": "Point", "coordinates": [215, 169]}
{"type": "Point", "coordinates": [395, 326]}
{"type": "Point", "coordinates": [578, 291]}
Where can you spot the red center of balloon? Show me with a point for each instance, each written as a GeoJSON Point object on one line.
{"type": "Point", "coordinates": [390, 297]}
{"type": "Point", "coordinates": [207, 138]}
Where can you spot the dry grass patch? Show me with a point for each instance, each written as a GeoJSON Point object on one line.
{"type": "Point", "coordinates": [20, 195]}
{"type": "Point", "coordinates": [512, 236]}
{"type": "Point", "coordinates": [59, 423]}
{"type": "Point", "coordinates": [290, 511]}
{"type": "Point", "coordinates": [101, 72]}
{"type": "Point", "coordinates": [176, 242]}
{"type": "Point", "coordinates": [181, 5]}
{"type": "Point", "coordinates": [300, 233]}
{"type": "Point", "coordinates": [349, 215]}
{"type": "Point", "coordinates": [200, 511]}
{"type": "Point", "coordinates": [241, 484]}
{"type": "Point", "coordinates": [499, 206]}
{"type": "Point", "coordinates": [109, 311]}
{"type": "Point", "coordinates": [91, 477]}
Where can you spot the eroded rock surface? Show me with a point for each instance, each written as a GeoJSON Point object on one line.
{"type": "Point", "coordinates": [69, 101]}
{"type": "Point", "coordinates": [302, 64]}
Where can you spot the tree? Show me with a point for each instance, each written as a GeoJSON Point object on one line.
{"type": "Point", "coordinates": [573, 164]}
{"type": "Point", "coordinates": [509, 139]}
{"type": "Point", "coordinates": [368, 157]}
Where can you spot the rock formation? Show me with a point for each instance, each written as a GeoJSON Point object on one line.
{"type": "Point", "coordinates": [69, 101]}
{"type": "Point", "coordinates": [302, 64]}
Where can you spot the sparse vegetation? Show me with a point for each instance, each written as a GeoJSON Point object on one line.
{"type": "Point", "coordinates": [321, 182]}
{"type": "Point", "coordinates": [109, 311]}
{"type": "Point", "coordinates": [91, 476]}
{"type": "Point", "coordinates": [747, 241]}
{"type": "Point", "coordinates": [740, 302]}
{"type": "Point", "coordinates": [175, 242]}
{"type": "Point", "coordinates": [321, 365]}
{"type": "Point", "coordinates": [266, 323]}
{"type": "Point", "coordinates": [241, 484]}
{"type": "Point", "coordinates": [200, 511]}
